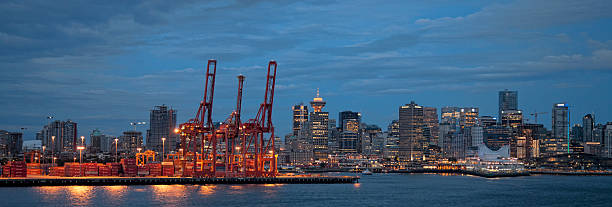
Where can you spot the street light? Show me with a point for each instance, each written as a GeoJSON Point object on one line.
{"type": "Point", "coordinates": [116, 156]}
{"type": "Point", "coordinates": [80, 148]}
{"type": "Point", "coordinates": [163, 148]}
{"type": "Point", "coordinates": [83, 140]}
{"type": "Point", "coordinates": [43, 159]}
{"type": "Point", "coordinates": [139, 149]}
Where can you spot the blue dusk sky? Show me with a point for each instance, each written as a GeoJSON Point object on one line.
{"type": "Point", "coordinates": [104, 64]}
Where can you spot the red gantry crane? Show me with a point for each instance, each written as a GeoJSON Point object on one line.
{"type": "Point", "coordinates": [199, 132]}
{"type": "Point", "coordinates": [257, 151]}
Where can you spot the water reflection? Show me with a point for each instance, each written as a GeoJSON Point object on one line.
{"type": "Point", "coordinates": [207, 190]}
{"type": "Point", "coordinates": [169, 193]}
{"type": "Point", "coordinates": [356, 185]}
{"type": "Point", "coordinates": [115, 192]}
{"type": "Point", "coordinates": [80, 195]}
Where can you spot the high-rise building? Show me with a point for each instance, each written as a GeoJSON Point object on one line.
{"type": "Point", "coordinates": [576, 135]}
{"type": "Point", "coordinates": [349, 120]}
{"type": "Point", "coordinates": [412, 144]}
{"type": "Point", "coordinates": [560, 128]}
{"type": "Point", "coordinates": [486, 121]}
{"type": "Point", "coordinates": [450, 115]}
{"type": "Point", "coordinates": [607, 137]}
{"type": "Point", "coordinates": [392, 140]}
{"type": "Point", "coordinates": [431, 130]}
{"type": "Point", "coordinates": [588, 124]}
{"type": "Point", "coordinates": [349, 125]}
{"type": "Point", "coordinates": [508, 100]}
{"type": "Point", "coordinates": [130, 141]}
{"type": "Point", "coordinates": [300, 117]}
{"type": "Point", "coordinates": [162, 123]}
{"type": "Point", "coordinates": [511, 118]}
{"type": "Point", "coordinates": [60, 136]}
{"type": "Point", "coordinates": [468, 116]}
{"type": "Point", "coordinates": [10, 143]}
{"type": "Point", "coordinates": [97, 139]}
{"type": "Point", "coordinates": [319, 129]}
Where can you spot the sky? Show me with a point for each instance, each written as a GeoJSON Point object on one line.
{"type": "Point", "coordinates": [104, 64]}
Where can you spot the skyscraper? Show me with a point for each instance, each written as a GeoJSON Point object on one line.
{"type": "Point", "coordinates": [508, 100]}
{"type": "Point", "coordinates": [412, 144]}
{"type": "Point", "coordinates": [96, 138]}
{"type": "Point", "coordinates": [162, 123]}
{"type": "Point", "coordinates": [130, 141]}
{"type": "Point", "coordinates": [60, 136]}
{"type": "Point", "coordinates": [350, 139]}
{"type": "Point", "coordinates": [319, 129]}
{"type": "Point", "coordinates": [430, 118]}
{"type": "Point", "coordinates": [10, 143]}
{"type": "Point", "coordinates": [511, 118]}
{"type": "Point", "coordinates": [588, 124]}
{"type": "Point", "coordinates": [560, 127]}
{"type": "Point", "coordinates": [300, 117]}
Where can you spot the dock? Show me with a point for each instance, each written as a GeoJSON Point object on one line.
{"type": "Point", "coordinates": [106, 181]}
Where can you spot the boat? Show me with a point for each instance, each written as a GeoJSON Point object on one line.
{"type": "Point", "coordinates": [366, 172]}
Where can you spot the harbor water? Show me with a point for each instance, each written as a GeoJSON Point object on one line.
{"type": "Point", "coordinates": [372, 190]}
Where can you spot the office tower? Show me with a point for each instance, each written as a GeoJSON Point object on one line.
{"type": "Point", "coordinates": [497, 136]}
{"type": "Point", "coordinates": [97, 139]}
{"type": "Point", "coordinates": [508, 100]}
{"type": "Point", "coordinates": [130, 141]}
{"type": "Point", "coordinates": [607, 137]}
{"type": "Point", "coordinates": [60, 136]}
{"type": "Point", "coordinates": [486, 121]}
{"type": "Point", "coordinates": [511, 118]}
{"type": "Point", "coordinates": [528, 139]}
{"type": "Point", "coordinates": [576, 133]}
{"type": "Point", "coordinates": [333, 140]}
{"type": "Point", "coordinates": [392, 140]}
{"type": "Point", "coordinates": [450, 115]}
{"type": "Point", "coordinates": [468, 116]}
{"type": "Point", "coordinates": [300, 117]}
{"type": "Point", "coordinates": [161, 125]}
{"type": "Point", "coordinates": [431, 131]}
{"type": "Point", "coordinates": [10, 143]}
{"type": "Point", "coordinates": [412, 142]}
{"type": "Point", "coordinates": [448, 133]}
{"type": "Point", "coordinates": [319, 129]}
{"type": "Point", "coordinates": [560, 129]}
{"type": "Point", "coordinates": [588, 124]}
{"type": "Point", "coordinates": [349, 120]}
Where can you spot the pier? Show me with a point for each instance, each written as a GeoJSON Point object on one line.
{"type": "Point", "coordinates": [105, 181]}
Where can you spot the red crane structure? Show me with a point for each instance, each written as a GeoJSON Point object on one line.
{"type": "Point", "coordinates": [234, 149]}
{"type": "Point", "coordinates": [199, 131]}
{"type": "Point", "coordinates": [257, 151]}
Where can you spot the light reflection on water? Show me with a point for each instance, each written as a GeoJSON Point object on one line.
{"type": "Point", "coordinates": [80, 195]}
{"type": "Point", "coordinates": [207, 190]}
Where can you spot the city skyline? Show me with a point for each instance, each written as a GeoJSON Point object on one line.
{"type": "Point", "coordinates": [81, 64]}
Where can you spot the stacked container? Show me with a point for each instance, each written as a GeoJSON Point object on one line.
{"type": "Point", "coordinates": [143, 171]}
{"type": "Point", "coordinates": [34, 169]}
{"type": "Point", "coordinates": [130, 169]}
{"type": "Point", "coordinates": [57, 171]}
{"type": "Point", "coordinates": [155, 169]}
{"type": "Point", "coordinates": [167, 169]}
{"type": "Point", "coordinates": [90, 169]}
{"type": "Point", "coordinates": [114, 168]}
{"type": "Point", "coordinates": [17, 169]}
{"type": "Point", "coordinates": [73, 169]}
{"type": "Point", "coordinates": [104, 170]}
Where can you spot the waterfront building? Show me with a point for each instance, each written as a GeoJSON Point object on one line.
{"type": "Point", "coordinates": [10, 143]}
{"type": "Point", "coordinates": [333, 140]}
{"type": "Point", "coordinates": [508, 100]}
{"type": "Point", "coordinates": [391, 150]}
{"type": "Point", "coordinates": [161, 125]}
{"type": "Point", "coordinates": [527, 142]}
{"type": "Point", "coordinates": [319, 129]}
{"type": "Point", "coordinates": [60, 136]}
{"type": "Point", "coordinates": [497, 136]}
{"type": "Point", "coordinates": [560, 130]}
{"type": "Point", "coordinates": [300, 117]}
{"type": "Point", "coordinates": [412, 142]}
{"type": "Point", "coordinates": [588, 124]}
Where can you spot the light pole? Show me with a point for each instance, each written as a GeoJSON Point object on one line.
{"type": "Point", "coordinates": [139, 149]}
{"type": "Point", "coordinates": [80, 148]}
{"type": "Point", "coordinates": [163, 148]}
{"type": "Point", "coordinates": [82, 140]}
{"type": "Point", "coordinates": [43, 155]}
{"type": "Point", "coordinates": [116, 156]}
